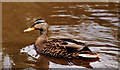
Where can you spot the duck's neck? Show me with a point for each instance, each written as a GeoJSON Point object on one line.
{"type": "Point", "coordinates": [41, 39]}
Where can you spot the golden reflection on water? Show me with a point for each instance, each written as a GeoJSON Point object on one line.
{"type": "Point", "coordinates": [93, 23]}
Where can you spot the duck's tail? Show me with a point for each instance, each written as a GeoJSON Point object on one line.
{"type": "Point", "coordinates": [93, 55]}
{"type": "Point", "coordinates": [87, 53]}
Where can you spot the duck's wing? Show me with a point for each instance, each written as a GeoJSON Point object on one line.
{"type": "Point", "coordinates": [81, 48]}
{"type": "Point", "coordinates": [70, 44]}
{"type": "Point", "coordinates": [65, 47]}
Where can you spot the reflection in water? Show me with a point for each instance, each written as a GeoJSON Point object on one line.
{"type": "Point", "coordinates": [42, 61]}
{"type": "Point", "coordinates": [7, 62]}
{"type": "Point", "coordinates": [95, 24]}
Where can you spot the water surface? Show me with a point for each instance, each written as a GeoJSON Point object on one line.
{"type": "Point", "coordinates": [95, 24]}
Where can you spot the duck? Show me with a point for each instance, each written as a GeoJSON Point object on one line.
{"type": "Point", "coordinates": [59, 47]}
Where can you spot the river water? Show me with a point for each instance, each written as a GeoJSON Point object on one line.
{"type": "Point", "coordinates": [94, 23]}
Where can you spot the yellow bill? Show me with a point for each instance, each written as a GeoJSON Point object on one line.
{"type": "Point", "coordinates": [29, 29]}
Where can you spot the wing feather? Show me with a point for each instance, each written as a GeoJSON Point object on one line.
{"type": "Point", "coordinates": [66, 43]}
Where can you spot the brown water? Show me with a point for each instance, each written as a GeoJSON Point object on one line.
{"type": "Point", "coordinates": [93, 23]}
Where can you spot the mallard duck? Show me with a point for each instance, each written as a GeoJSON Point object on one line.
{"type": "Point", "coordinates": [59, 47]}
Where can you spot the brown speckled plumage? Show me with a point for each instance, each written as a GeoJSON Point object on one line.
{"type": "Point", "coordinates": [58, 48]}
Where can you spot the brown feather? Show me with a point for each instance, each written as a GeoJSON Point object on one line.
{"type": "Point", "coordinates": [59, 48]}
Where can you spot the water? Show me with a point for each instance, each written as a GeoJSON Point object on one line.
{"type": "Point", "coordinates": [95, 24]}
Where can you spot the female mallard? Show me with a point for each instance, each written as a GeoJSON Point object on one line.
{"type": "Point", "coordinates": [60, 47]}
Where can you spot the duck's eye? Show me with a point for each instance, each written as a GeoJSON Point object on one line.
{"type": "Point", "coordinates": [36, 24]}
{"type": "Point", "coordinates": [39, 29]}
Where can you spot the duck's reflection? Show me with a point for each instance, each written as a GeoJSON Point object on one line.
{"type": "Point", "coordinates": [42, 61]}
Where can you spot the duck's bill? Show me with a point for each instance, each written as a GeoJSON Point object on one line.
{"type": "Point", "coordinates": [29, 29]}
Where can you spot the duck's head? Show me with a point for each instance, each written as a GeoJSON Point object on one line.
{"type": "Point", "coordinates": [39, 24]}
